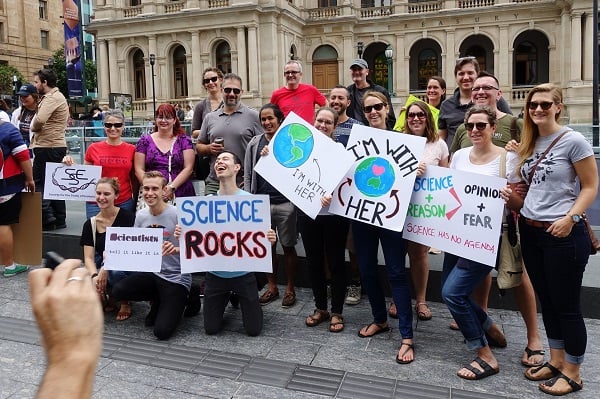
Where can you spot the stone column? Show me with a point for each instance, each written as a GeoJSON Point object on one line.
{"type": "Point", "coordinates": [196, 71]}
{"type": "Point", "coordinates": [103, 82]}
{"type": "Point", "coordinates": [504, 61]}
{"type": "Point", "coordinates": [242, 59]}
{"type": "Point", "coordinates": [347, 58]}
{"type": "Point", "coordinates": [151, 50]}
{"type": "Point", "coordinates": [253, 64]}
{"type": "Point", "coordinates": [401, 73]}
{"type": "Point", "coordinates": [113, 65]}
{"type": "Point", "coordinates": [588, 48]}
{"type": "Point", "coordinates": [448, 59]}
{"type": "Point", "coordinates": [575, 47]}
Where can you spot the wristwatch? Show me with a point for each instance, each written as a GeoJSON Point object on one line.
{"type": "Point", "coordinates": [575, 218]}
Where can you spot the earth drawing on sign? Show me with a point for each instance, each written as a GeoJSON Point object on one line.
{"type": "Point", "coordinates": [374, 176]}
{"type": "Point", "coordinates": [293, 145]}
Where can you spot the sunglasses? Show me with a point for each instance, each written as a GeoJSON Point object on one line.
{"type": "Point", "coordinates": [110, 125]}
{"type": "Point", "coordinates": [376, 107]}
{"type": "Point", "coordinates": [478, 125]}
{"type": "Point", "coordinates": [291, 72]}
{"type": "Point", "coordinates": [420, 115]}
{"type": "Point", "coordinates": [546, 105]}
{"type": "Point", "coordinates": [484, 88]}
{"type": "Point", "coordinates": [208, 80]}
{"type": "Point", "coordinates": [462, 59]}
{"type": "Point", "coordinates": [235, 90]}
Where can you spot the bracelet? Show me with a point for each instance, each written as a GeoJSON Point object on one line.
{"type": "Point", "coordinates": [94, 275]}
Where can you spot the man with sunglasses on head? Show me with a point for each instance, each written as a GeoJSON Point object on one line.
{"type": "Point", "coordinates": [295, 96]}
{"type": "Point", "coordinates": [486, 91]}
{"type": "Point", "coordinates": [362, 84]}
{"type": "Point", "coordinates": [229, 128]}
{"type": "Point", "coordinates": [453, 109]}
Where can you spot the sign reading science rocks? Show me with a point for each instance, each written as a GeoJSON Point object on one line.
{"type": "Point", "coordinates": [458, 212]}
{"type": "Point", "coordinates": [303, 164]}
{"type": "Point", "coordinates": [377, 188]}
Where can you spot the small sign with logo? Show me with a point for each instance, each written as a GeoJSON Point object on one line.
{"type": "Point", "coordinates": [133, 249]}
{"type": "Point", "coordinates": [71, 183]}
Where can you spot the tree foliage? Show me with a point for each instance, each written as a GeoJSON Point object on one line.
{"type": "Point", "coordinates": [6, 78]}
{"type": "Point", "coordinates": [60, 68]}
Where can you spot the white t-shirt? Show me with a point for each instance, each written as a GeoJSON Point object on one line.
{"type": "Point", "coordinates": [461, 161]}
{"type": "Point", "coordinates": [434, 152]}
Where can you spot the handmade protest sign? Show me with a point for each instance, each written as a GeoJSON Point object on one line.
{"type": "Point", "coordinates": [71, 183]}
{"type": "Point", "coordinates": [377, 187]}
{"type": "Point", "coordinates": [458, 212]}
{"type": "Point", "coordinates": [133, 249]}
{"type": "Point", "coordinates": [224, 233]}
{"type": "Point", "coordinates": [303, 164]}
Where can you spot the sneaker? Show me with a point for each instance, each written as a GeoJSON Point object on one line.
{"type": "Point", "coordinates": [353, 295]}
{"type": "Point", "coordinates": [13, 272]}
{"type": "Point", "coordinates": [289, 299]}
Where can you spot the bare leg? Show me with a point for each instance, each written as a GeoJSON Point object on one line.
{"type": "Point", "coordinates": [525, 298]}
{"type": "Point", "coordinates": [290, 259]}
{"type": "Point", "coordinates": [6, 246]}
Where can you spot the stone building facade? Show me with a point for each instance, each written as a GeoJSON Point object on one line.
{"type": "Point", "coordinates": [523, 42]}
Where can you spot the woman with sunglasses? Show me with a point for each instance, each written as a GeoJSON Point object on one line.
{"type": "Point", "coordinates": [460, 279]}
{"type": "Point", "coordinates": [212, 80]}
{"type": "Point", "coordinates": [419, 122]}
{"type": "Point", "coordinates": [168, 150]}
{"type": "Point", "coordinates": [116, 158]}
{"type": "Point", "coordinates": [554, 240]}
{"type": "Point", "coordinates": [366, 239]}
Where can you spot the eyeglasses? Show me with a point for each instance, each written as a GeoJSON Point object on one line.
{"type": "Point", "coordinates": [208, 80]}
{"type": "Point", "coordinates": [164, 118]}
{"type": "Point", "coordinates": [235, 90]}
{"type": "Point", "coordinates": [324, 122]}
{"type": "Point", "coordinates": [546, 105]}
{"type": "Point", "coordinates": [412, 115]}
{"type": "Point", "coordinates": [484, 88]}
{"type": "Point", "coordinates": [377, 107]}
{"type": "Point", "coordinates": [479, 125]}
{"type": "Point", "coordinates": [462, 59]}
{"type": "Point", "coordinates": [111, 125]}
{"type": "Point", "coordinates": [291, 72]}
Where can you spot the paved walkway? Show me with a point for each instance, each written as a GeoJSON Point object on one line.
{"type": "Point", "coordinates": [288, 360]}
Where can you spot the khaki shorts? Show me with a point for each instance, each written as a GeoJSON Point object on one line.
{"type": "Point", "coordinates": [283, 221]}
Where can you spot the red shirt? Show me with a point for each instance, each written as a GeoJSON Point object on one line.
{"type": "Point", "coordinates": [116, 161]}
{"type": "Point", "coordinates": [302, 101]}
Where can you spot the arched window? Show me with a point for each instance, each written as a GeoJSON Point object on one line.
{"type": "Point", "coordinates": [223, 57]}
{"type": "Point", "coordinates": [428, 67]}
{"type": "Point", "coordinates": [425, 62]}
{"type": "Point", "coordinates": [531, 59]}
{"type": "Point", "coordinates": [479, 53]}
{"type": "Point", "coordinates": [180, 72]}
{"type": "Point", "coordinates": [139, 75]}
{"type": "Point", "coordinates": [526, 55]}
{"type": "Point", "coordinates": [325, 67]}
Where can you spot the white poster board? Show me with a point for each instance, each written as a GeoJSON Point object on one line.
{"type": "Point", "coordinates": [71, 183]}
{"type": "Point", "coordinates": [377, 187]}
{"type": "Point", "coordinates": [303, 164]}
{"type": "Point", "coordinates": [133, 249]}
{"type": "Point", "coordinates": [458, 212]}
{"type": "Point", "coordinates": [224, 233]}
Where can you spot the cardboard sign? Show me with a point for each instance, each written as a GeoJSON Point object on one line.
{"type": "Point", "coordinates": [303, 164]}
{"type": "Point", "coordinates": [377, 187]}
{"type": "Point", "coordinates": [133, 249]}
{"type": "Point", "coordinates": [71, 183]}
{"type": "Point", "coordinates": [27, 234]}
{"type": "Point", "coordinates": [458, 212]}
{"type": "Point", "coordinates": [224, 233]}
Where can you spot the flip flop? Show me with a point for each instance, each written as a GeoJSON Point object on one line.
{"type": "Point", "coordinates": [425, 314]}
{"type": "Point", "coordinates": [479, 374]}
{"type": "Point", "coordinates": [574, 386]}
{"type": "Point", "coordinates": [400, 355]}
{"type": "Point", "coordinates": [380, 330]}
{"type": "Point", "coordinates": [318, 317]}
{"type": "Point", "coordinates": [334, 326]}
{"type": "Point", "coordinates": [530, 353]}
{"type": "Point", "coordinates": [124, 314]}
{"type": "Point", "coordinates": [530, 373]}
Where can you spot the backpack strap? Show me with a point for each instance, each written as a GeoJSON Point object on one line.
{"type": "Point", "coordinates": [93, 223]}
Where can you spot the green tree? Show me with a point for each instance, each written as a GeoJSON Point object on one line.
{"type": "Point", "coordinates": [60, 68]}
{"type": "Point", "coordinates": [6, 78]}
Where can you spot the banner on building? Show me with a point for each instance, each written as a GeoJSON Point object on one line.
{"type": "Point", "coordinates": [73, 48]}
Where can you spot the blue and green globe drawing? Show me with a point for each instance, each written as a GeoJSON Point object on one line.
{"type": "Point", "coordinates": [374, 176]}
{"type": "Point", "coordinates": [293, 145]}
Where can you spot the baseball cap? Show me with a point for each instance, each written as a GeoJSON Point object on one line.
{"type": "Point", "coordinates": [27, 90]}
{"type": "Point", "coordinates": [360, 62]}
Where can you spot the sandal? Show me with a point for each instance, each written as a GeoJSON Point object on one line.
{"type": "Point", "coordinates": [495, 337]}
{"type": "Point", "coordinates": [530, 353]}
{"type": "Point", "coordinates": [423, 314]}
{"type": "Point", "coordinates": [399, 356]}
{"type": "Point", "coordinates": [336, 324]}
{"type": "Point", "coordinates": [380, 329]}
{"type": "Point", "coordinates": [318, 317]}
{"type": "Point", "coordinates": [574, 386]}
{"type": "Point", "coordinates": [486, 370]}
{"type": "Point", "coordinates": [393, 312]}
{"type": "Point", "coordinates": [267, 297]}
{"type": "Point", "coordinates": [124, 311]}
{"type": "Point", "coordinates": [532, 373]}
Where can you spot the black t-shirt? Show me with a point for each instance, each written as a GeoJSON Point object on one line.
{"type": "Point", "coordinates": [263, 186]}
{"type": "Point", "coordinates": [123, 219]}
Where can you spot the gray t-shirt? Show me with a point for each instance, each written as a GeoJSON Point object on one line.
{"type": "Point", "coordinates": [552, 190]}
{"type": "Point", "coordinates": [236, 129]}
{"type": "Point", "coordinates": [171, 266]}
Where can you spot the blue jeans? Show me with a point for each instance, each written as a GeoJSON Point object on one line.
{"type": "Point", "coordinates": [458, 286]}
{"type": "Point", "coordinates": [556, 266]}
{"type": "Point", "coordinates": [366, 242]}
{"type": "Point", "coordinates": [92, 209]}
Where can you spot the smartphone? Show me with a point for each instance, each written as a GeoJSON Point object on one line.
{"type": "Point", "coordinates": [53, 259]}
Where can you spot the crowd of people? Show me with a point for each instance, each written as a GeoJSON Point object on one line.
{"type": "Point", "coordinates": [550, 169]}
